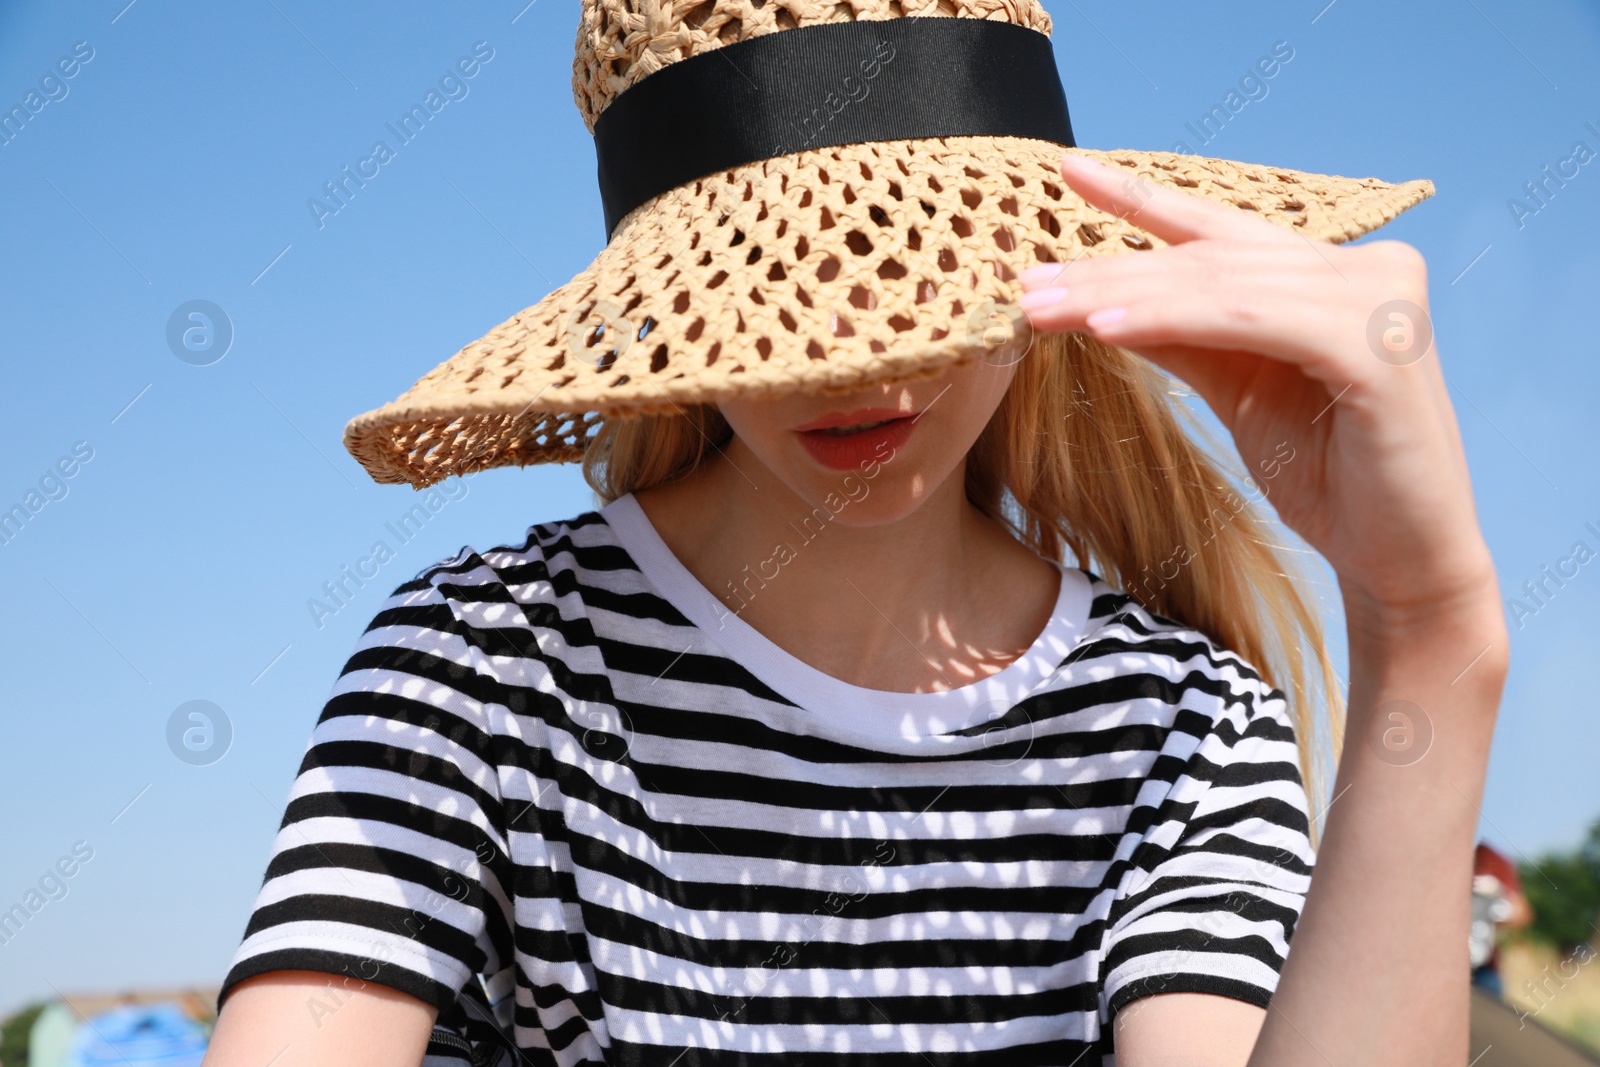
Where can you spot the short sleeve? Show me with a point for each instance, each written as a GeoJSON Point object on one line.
{"type": "Point", "coordinates": [390, 858]}
{"type": "Point", "coordinates": [1217, 883]}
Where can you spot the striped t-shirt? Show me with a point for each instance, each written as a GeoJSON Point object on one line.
{"type": "Point", "coordinates": [563, 793]}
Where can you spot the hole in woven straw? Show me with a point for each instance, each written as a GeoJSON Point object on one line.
{"type": "Point", "coordinates": [1003, 240]}
{"type": "Point", "coordinates": [962, 226]}
{"type": "Point", "coordinates": [913, 239]}
{"type": "Point", "coordinates": [973, 172]}
{"type": "Point", "coordinates": [939, 333]}
{"type": "Point", "coordinates": [664, 261]}
{"type": "Point", "coordinates": [680, 303]}
{"type": "Point", "coordinates": [786, 19]}
{"type": "Point", "coordinates": [863, 298]}
{"type": "Point", "coordinates": [877, 346]}
{"type": "Point", "coordinates": [1009, 205]}
{"type": "Point", "coordinates": [933, 183]}
{"type": "Point", "coordinates": [828, 269]}
{"type": "Point", "coordinates": [783, 228]}
{"type": "Point", "coordinates": [633, 302]}
{"type": "Point", "coordinates": [477, 372]}
{"type": "Point", "coordinates": [731, 31]}
{"type": "Point", "coordinates": [1052, 191]}
{"type": "Point", "coordinates": [1246, 205]}
{"type": "Point", "coordinates": [849, 194]}
{"type": "Point", "coordinates": [705, 259]}
{"type": "Point", "coordinates": [621, 379]}
{"type": "Point", "coordinates": [717, 279]}
{"type": "Point", "coordinates": [722, 220]}
{"type": "Point", "coordinates": [1184, 182]}
{"type": "Point", "coordinates": [879, 216]}
{"type": "Point", "coordinates": [1089, 233]}
{"type": "Point", "coordinates": [738, 238]}
{"type": "Point", "coordinates": [814, 350]}
{"type": "Point", "coordinates": [716, 350]}
{"type": "Point", "coordinates": [1003, 271]}
{"type": "Point", "coordinates": [805, 199]}
{"type": "Point", "coordinates": [695, 329]}
{"type": "Point", "coordinates": [866, 171]}
{"type": "Point", "coordinates": [891, 269]}
{"type": "Point", "coordinates": [755, 254]}
{"type": "Point", "coordinates": [902, 323]}
{"type": "Point", "coordinates": [755, 295]}
{"type": "Point", "coordinates": [749, 191]}
{"type": "Point", "coordinates": [764, 348]}
{"type": "Point", "coordinates": [1138, 243]}
{"type": "Point", "coordinates": [658, 359]}
{"type": "Point", "coordinates": [788, 320]}
{"type": "Point", "coordinates": [801, 295]}
{"type": "Point", "coordinates": [738, 322]}
{"type": "Point", "coordinates": [696, 16]}
{"type": "Point", "coordinates": [927, 208]}
{"type": "Point", "coordinates": [1047, 219]}
{"type": "Point", "coordinates": [646, 326]}
{"type": "Point", "coordinates": [971, 197]}
{"type": "Point", "coordinates": [925, 292]}
{"type": "Point", "coordinates": [947, 260]}
{"type": "Point", "coordinates": [825, 222]}
{"type": "Point", "coordinates": [957, 308]}
{"type": "Point", "coordinates": [841, 326]}
{"type": "Point", "coordinates": [895, 191]}
{"type": "Point", "coordinates": [802, 247]}
{"type": "Point", "coordinates": [1043, 254]}
{"type": "Point", "coordinates": [1016, 181]}
{"type": "Point", "coordinates": [858, 243]}
{"type": "Point", "coordinates": [567, 380]}
{"type": "Point", "coordinates": [776, 273]}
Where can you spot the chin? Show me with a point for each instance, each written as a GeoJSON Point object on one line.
{"type": "Point", "coordinates": [873, 494]}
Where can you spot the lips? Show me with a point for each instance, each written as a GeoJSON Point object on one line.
{"type": "Point", "coordinates": [842, 440]}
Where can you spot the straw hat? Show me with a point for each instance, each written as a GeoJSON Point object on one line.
{"type": "Point", "coordinates": [802, 196]}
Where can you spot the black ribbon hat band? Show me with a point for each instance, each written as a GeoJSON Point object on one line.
{"type": "Point", "coordinates": [823, 85]}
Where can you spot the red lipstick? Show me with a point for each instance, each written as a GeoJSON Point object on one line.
{"type": "Point", "coordinates": [846, 439]}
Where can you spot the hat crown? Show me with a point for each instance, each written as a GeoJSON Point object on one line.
{"type": "Point", "coordinates": [621, 42]}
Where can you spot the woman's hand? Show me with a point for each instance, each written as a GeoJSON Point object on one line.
{"type": "Point", "coordinates": [1325, 347]}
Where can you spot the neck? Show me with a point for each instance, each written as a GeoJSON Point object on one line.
{"type": "Point", "coordinates": [935, 599]}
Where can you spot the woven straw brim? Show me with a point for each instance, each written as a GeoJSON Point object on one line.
{"type": "Point", "coordinates": [819, 272]}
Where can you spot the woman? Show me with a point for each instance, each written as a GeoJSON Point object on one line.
{"type": "Point", "coordinates": [809, 746]}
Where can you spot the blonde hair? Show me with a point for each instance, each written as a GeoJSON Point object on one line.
{"type": "Point", "coordinates": [1088, 452]}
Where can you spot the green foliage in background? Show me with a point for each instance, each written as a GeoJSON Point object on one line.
{"type": "Point", "coordinates": [1564, 890]}
{"type": "Point", "coordinates": [14, 1035]}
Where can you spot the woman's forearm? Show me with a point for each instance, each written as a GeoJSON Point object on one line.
{"type": "Point", "coordinates": [1378, 971]}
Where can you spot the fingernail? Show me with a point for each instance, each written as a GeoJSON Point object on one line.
{"type": "Point", "coordinates": [1040, 298]}
{"type": "Point", "coordinates": [1106, 317]}
{"type": "Point", "coordinates": [1043, 273]}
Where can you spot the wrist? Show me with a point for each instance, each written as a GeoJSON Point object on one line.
{"type": "Point", "coordinates": [1467, 602]}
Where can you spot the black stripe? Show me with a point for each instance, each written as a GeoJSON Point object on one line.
{"type": "Point", "coordinates": [821, 85]}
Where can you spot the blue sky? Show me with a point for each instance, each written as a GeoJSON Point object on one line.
{"type": "Point", "coordinates": [208, 503]}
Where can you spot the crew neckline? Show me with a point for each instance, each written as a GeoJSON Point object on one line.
{"type": "Point", "coordinates": [845, 706]}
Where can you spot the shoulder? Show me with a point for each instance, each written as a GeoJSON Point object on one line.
{"type": "Point", "coordinates": [1176, 663]}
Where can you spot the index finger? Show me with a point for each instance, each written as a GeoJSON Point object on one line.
{"type": "Point", "coordinates": [1173, 215]}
